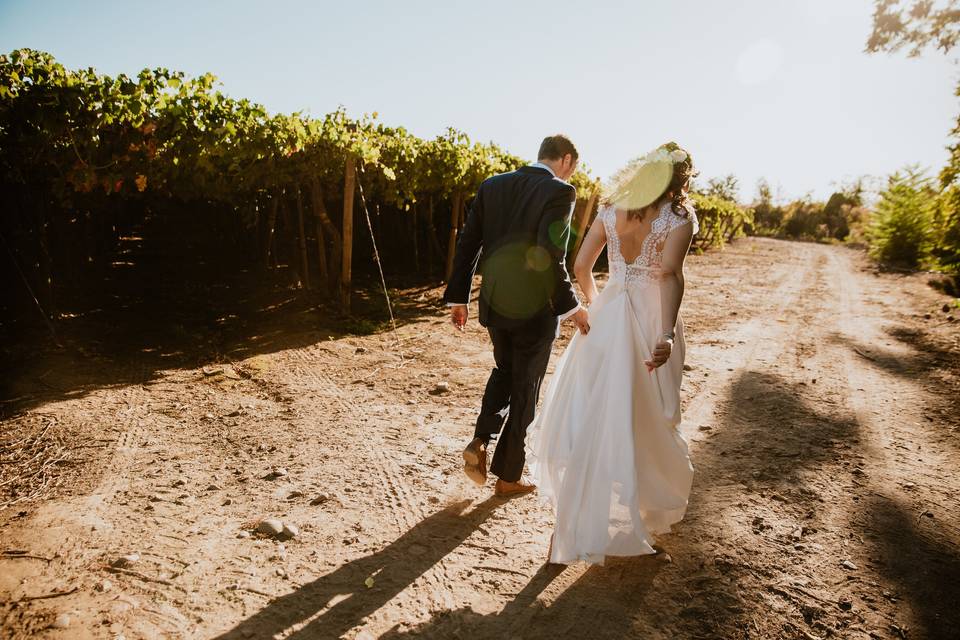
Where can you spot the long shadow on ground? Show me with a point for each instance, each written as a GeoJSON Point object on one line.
{"type": "Point", "coordinates": [929, 363]}
{"type": "Point", "coordinates": [771, 432]}
{"type": "Point", "coordinates": [394, 568]}
{"type": "Point", "coordinates": [590, 608]}
{"type": "Point", "coordinates": [709, 590]}
{"type": "Point", "coordinates": [914, 554]}
{"type": "Point", "coordinates": [715, 587]}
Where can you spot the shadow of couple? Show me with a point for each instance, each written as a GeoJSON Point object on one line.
{"type": "Point", "coordinates": [337, 602]}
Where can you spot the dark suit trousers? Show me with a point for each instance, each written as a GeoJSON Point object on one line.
{"type": "Point", "coordinates": [510, 398]}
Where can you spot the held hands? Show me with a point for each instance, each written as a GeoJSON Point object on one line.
{"type": "Point", "coordinates": [582, 319]}
{"type": "Point", "coordinates": [661, 353]}
{"type": "Point", "coordinates": [458, 316]}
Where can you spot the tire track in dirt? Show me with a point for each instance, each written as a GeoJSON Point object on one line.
{"type": "Point", "coordinates": [127, 487]}
{"type": "Point", "coordinates": [407, 510]}
{"type": "Point", "coordinates": [408, 506]}
{"type": "Point", "coordinates": [86, 532]}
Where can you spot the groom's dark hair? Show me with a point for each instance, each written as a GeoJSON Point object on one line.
{"type": "Point", "coordinates": [555, 147]}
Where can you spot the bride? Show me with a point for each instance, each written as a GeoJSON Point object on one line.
{"type": "Point", "coordinates": [604, 449]}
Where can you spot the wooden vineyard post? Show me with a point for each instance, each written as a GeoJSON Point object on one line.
{"type": "Point", "coordinates": [433, 244]}
{"type": "Point", "coordinates": [582, 225]}
{"type": "Point", "coordinates": [416, 244]}
{"type": "Point", "coordinates": [271, 226]}
{"type": "Point", "coordinates": [331, 267]}
{"type": "Point", "coordinates": [349, 185]}
{"type": "Point", "coordinates": [454, 228]}
{"type": "Point", "coordinates": [322, 255]}
{"type": "Point", "coordinates": [304, 264]}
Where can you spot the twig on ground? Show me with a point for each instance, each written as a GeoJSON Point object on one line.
{"type": "Point", "coordinates": [17, 553]}
{"type": "Point", "coordinates": [240, 587]}
{"type": "Point", "coordinates": [55, 594]}
{"type": "Point", "coordinates": [143, 576]}
{"type": "Point", "coordinates": [500, 569]}
{"type": "Point", "coordinates": [808, 594]}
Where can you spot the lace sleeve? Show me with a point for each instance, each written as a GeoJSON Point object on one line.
{"type": "Point", "coordinates": [603, 215]}
{"type": "Point", "coordinates": [691, 217]}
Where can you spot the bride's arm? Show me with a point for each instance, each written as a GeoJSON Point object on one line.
{"type": "Point", "coordinates": [587, 257]}
{"type": "Point", "coordinates": [675, 249]}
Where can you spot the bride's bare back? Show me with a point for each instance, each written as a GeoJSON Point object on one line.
{"type": "Point", "coordinates": [632, 232]}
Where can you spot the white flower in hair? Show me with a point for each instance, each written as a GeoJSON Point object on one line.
{"type": "Point", "coordinates": [657, 155]}
{"type": "Point", "coordinates": [678, 155]}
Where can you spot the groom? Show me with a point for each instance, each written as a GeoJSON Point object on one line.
{"type": "Point", "coordinates": [520, 223]}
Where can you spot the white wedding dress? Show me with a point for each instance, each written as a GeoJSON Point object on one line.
{"type": "Point", "coordinates": [605, 450]}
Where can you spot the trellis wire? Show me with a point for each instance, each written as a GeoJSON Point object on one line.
{"type": "Point", "coordinates": [376, 257]}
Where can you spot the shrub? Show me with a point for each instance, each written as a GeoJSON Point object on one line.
{"type": "Point", "coordinates": [721, 219]}
{"type": "Point", "coordinates": [804, 220]}
{"type": "Point", "coordinates": [902, 228]}
{"type": "Point", "coordinates": [946, 229]}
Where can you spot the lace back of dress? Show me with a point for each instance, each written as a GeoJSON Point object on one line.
{"type": "Point", "coordinates": [645, 269]}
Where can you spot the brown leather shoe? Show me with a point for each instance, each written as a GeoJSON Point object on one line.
{"type": "Point", "coordinates": [475, 461]}
{"type": "Point", "coordinates": [506, 489]}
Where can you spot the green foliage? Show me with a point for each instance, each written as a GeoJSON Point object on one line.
{"type": "Point", "coordinates": [803, 220]}
{"type": "Point", "coordinates": [85, 156]}
{"type": "Point", "coordinates": [908, 230]}
{"type": "Point", "coordinates": [767, 217]}
{"type": "Point", "coordinates": [725, 188]}
{"type": "Point", "coordinates": [902, 229]}
{"type": "Point", "coordinates": [807, 219]}
{"type": "Point", "coordinates": [79, 132]}
{"type": "Point", "coordinates": [946, 230]}
{"type": "Point", "coordinates": [841, 210]}
{"type": "Point", "coordinates": [924, 23]}
{"type": "Point", "coordinates": [721, 219]}
{"type": "Point", "coordinates": [951, 172]}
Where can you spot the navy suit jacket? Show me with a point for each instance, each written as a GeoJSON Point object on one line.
{"type": "Point", "coordinates": [517, 230]}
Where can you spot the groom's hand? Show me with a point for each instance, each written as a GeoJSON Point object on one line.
{"type": "Point", "coordinates": [458, 315]}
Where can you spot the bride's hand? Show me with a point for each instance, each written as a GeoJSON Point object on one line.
{"type": "Point", "coordinates": [582, 319]}
{"type": "Point", "coordinates": [661, 353]}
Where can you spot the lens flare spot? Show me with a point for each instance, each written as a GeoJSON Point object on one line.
{"type": "Point", "coordinates": [538, 259]}
{"type": "Point", "coordinates": [559, 231]}
{"type": "Point", "coordinates": [517, 280]}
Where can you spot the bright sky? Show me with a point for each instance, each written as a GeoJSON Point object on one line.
{"type": "Point", "coordinates": [774, 88]}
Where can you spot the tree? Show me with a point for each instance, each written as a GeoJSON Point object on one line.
{"type": "Point", "coordinates": [923, 23]}
{"type": "Point", "coordinates": [726, 187]}
{"type": "Point", "coordinates": [767, 216]}
{"type": "Point", "coordinates": [840, 208]}
{"type": "Point", "coordinates": [764, 192]}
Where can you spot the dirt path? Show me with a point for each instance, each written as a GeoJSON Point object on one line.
{"type": "Point", "coordinates": [821, 406]}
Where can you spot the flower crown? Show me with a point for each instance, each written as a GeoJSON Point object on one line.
{"type": "Point", "coordinates": [662, 154]}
